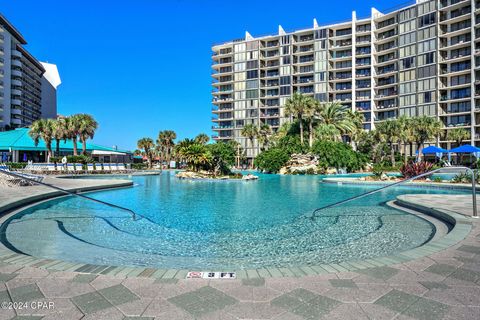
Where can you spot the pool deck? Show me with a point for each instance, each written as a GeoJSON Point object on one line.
{"type": "Point", "coordinates": [442, 282]}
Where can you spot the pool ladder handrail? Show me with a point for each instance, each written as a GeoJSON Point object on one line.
{"type": "Point", "coordinates": [474, 196]}
{"type": "Point", "coordinates": [23, 177]}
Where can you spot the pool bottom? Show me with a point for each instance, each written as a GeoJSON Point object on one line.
{"type": "Point", "coordinates": [352, 233]}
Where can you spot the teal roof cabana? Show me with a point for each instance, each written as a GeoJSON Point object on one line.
{"type": "Point", "coordinates": [19, 140]}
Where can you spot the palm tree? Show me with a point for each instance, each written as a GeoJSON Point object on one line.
{"type": "Point", "coordinates": [264, 134]}
{"type": "Point", "coordinates": [357, 119]}
{"type": "Point", "coordinates": [43, 129]}
{"type": "Point", "coordinates": [60, 132]}
{"type": "Point", "coordinates": [327, 132]}
{"type": "Point", "coordinates": [334, 113]}
{"type": "Point", "coordinates": [196, 155]}
{"type": "Point", "coordinates": [147, 145]}
{"type": "Point", "coordinates": [309, 115]}
{"type": "Point", "coordinates": [405, 137]}
{"type": "Point", "coordinates": [166, 141]}
{"type": "Point", "coordinates": [73, 127]}
{"type": "Point", "coordinates": [86, 129]}
{"type": "Point", "coordinates": [296, 106]}
{"type": "Point", "coordinates": [250, 131]}
{"type": "Point", "coordinates": [424, 129]}
{"type": "Point", "coordinates": [202, 138]}
{"type": "Point", "coordinates": [458, 135]}
{"type": "Point", "coordinates": [390, 129]}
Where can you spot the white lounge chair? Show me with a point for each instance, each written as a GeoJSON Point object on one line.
{"type": "Point", "coordinates": [106, 167]}
{"type": "Point", "coordinates": [98, 167]}
{"type": "Point", "coordinates": [78, 167]}
{"type": "Point", "coordinates": [10, 180]}
{"type": "Point", "coordinates": [51, 167]}
{"type": "Point", "coordinates": [121, 167]}
{"type": "Point", "coordinates": [70, 168]}
{"type": "Point", "coordinates": [113, 167]}
{"type": "Point", "coordinates": [90, 168]}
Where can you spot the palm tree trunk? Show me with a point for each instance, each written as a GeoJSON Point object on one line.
{"type": "Point", "coordinates": [49, 151]}
{"type": "Point", "coordinates": [310, 133]}
{"type": "Point", "coordinates": [75, 149]}
{"type": "Point", "coordinates": [84, 146]}
{"type": "Point", "coordinates": [419, 149]}
{"type": "Point", "coordinates": [405, 156]}
{"type": "Point", "coordinates": [301, 130]}
{"type": "Point", "coordinates": [392, 154]}
{"type": "Point", "coordinates": [57, 141]}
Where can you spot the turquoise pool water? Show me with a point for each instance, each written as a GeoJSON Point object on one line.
{"type": "Point", "coordinates": [220, 224]}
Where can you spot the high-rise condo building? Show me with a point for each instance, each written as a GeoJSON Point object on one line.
{"type": "Point", "coordinates": [422, 59]}
{"type": "Point", "coordinates": [27, 87]}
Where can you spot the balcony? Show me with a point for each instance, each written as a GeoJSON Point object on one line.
{"type": "Point", "coordinates": [16, 102]}
{"type": "Point", "coordinates": [16, 73]}
{"type": "Point", "coordinates": [16, 111]}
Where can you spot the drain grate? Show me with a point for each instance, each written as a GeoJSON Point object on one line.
{"type": "Point", "coordinates": [211, 275]}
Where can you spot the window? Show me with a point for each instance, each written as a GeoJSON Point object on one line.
{"type": "Point", "coordinates": [427, 97]}
{"type": "Point", "coordinates": [252, 64]}
{"type": "Point", "coordinates": [458, 80]}
{"type": "Point", "coordinates": [284, 80]}
{"type": "Point", "coordinates": [320, 34]}
{"type": "Point", "coordinates": [286, 60]}
{"type": "Point", "coordinates": [408, 87]}
{"type": "Point", "coordinates": [426, 20]}
{"type": "Point", "coordinates": [251, 94]}
{"type": "Point", "coordinates": [426, 72]}
{"type": "Point", "coordinates": [408, 63]}
{"type": "Point", "coordinates": [407, 38]}
{"type": "Point", "coordinates": [252, 74]}
{"type": "Point", "coordinates": [284, 91]}
{"type": "Point", "coordinates": [252, 84]}
{"type": "Point", "coordinates": [252, 45]}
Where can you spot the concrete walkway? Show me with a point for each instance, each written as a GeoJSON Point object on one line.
{"type": "Point", "coordinates": [442, 285]}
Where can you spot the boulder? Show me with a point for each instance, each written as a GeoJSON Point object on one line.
{"type": "Point", "coordinates": [300, 164]}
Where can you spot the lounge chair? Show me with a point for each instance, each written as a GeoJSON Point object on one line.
{"type": "Point", "coordinates": [70, 168]}
{"type": "Point", "coordinates": [78, 167]}
{"type": "Point", "coordinates": [51, 167]}
{"type": "Point", "coordinates": [10, 180]}
{"type": "Point", "coordinates": [98, 167]}
{"type": "Point", "coordinates": [121, 167]}
{"type": "Point", "coordinates": [90, 168]}
{"type": "Point", "coordinates": [113, 167]}
{"type": "Point", "coordinates": [106, 167]}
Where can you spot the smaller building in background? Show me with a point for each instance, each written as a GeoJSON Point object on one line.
{"type": "Point", "coordinates": [17, 146]}
{"type": "Point", "coordinates": [27, 86]}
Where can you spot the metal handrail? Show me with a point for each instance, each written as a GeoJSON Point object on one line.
{"type": "Point", "coordinates": [20, 176]}
{"type": "Point", "coordinates": [474, 196]}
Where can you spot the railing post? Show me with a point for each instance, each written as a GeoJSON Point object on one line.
{"type": "Point", "coordinates": [474, 194]}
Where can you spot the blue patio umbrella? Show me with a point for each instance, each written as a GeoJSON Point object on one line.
{"type": "Point", "coordinates": [4, 157]}
{"type": "Point", "coordinates": [466, 148]}
{"type": "Point", "coordinates": [438, 152]}
{"type": "Point", "coordinates": [24, 156]}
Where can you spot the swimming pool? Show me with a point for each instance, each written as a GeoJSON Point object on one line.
{"type": "Point", "coordinates": [220, 224]}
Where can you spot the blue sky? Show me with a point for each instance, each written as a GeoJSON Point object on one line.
{"type": "Point", "coordinates": [141, 66]}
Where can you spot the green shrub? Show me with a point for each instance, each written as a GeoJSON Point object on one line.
{"type": "Point", "coordinates": [79, 159]}
{"type": "Point", "coordinates": [16, 165]}
{"type": "Point", "coordinates": [437, 179]}
{"type": "Point", "coordinates": [139, 166]}
{"type": "Point", "coordinates": [292, 144]}
{"type": "Point", "coordinates": [55, 159]}
{"type": "Point", "coordinates": [272, 160]}
{"type": "Point", "coordinates": [338, 155]}
{"type": "Point", "coordinates": [378, 171]}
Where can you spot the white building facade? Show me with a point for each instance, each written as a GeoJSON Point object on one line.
{"type": "Point", "coordinates": [422, 59]}
{"type": "Point", "coordinates": [25, 94]}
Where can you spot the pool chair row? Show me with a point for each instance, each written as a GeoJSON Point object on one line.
{"type": "Point", "coordinates": [20, 178]}
{"type": "Point", "coordinates": [106, 168]}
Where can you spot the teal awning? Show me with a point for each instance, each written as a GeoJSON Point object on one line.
{"type": "Point", "coordinates": [19, 139]}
